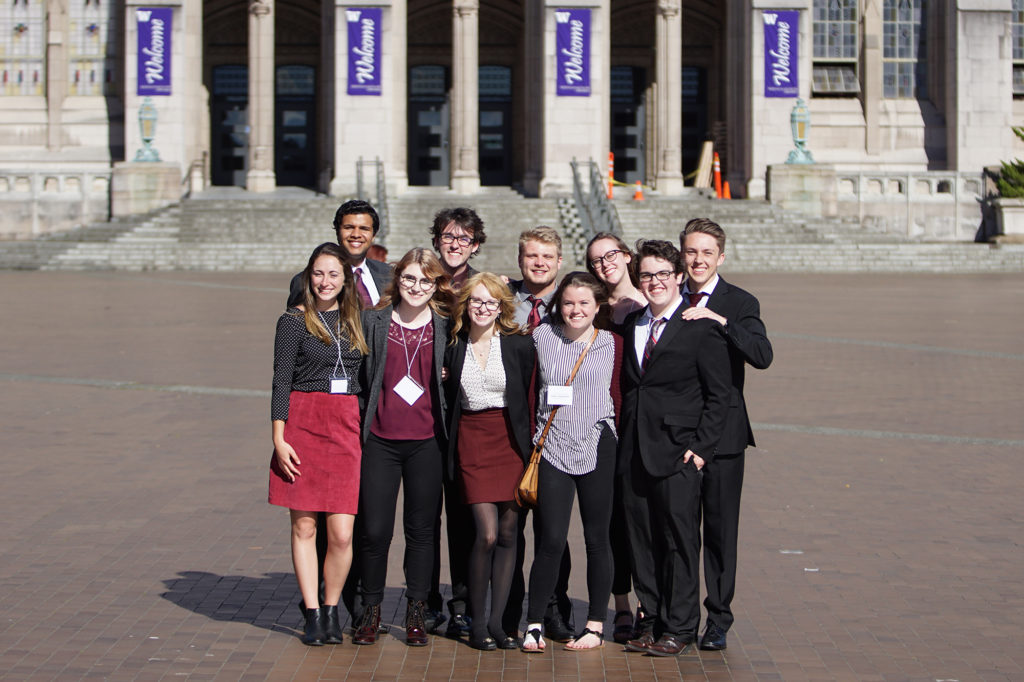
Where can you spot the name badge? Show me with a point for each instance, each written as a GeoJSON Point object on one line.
{"type": "Point", "coordinates": [339, 385]}
{"type": "Point", "coordinates": [559, 395]}
{"type": "Point", "coordinates": [408, 390]}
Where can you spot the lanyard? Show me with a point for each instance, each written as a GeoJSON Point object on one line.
{"type": "Point", "coordinates": [408, 362]}
{"type": "Point", "coordinates": [337, 340]}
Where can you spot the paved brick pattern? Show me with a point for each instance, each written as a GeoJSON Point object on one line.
{"type": "Point", "coordinates": [880, 538]}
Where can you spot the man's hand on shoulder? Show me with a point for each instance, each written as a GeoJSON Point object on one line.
{"type": "Point", "coordinates": [696, 313]}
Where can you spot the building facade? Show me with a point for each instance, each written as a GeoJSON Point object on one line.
{"type": "Point", "coordinates": [469, 93]}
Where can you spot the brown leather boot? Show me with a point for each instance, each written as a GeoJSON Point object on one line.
{"type": "Point", "coordinates": [415, 628]}
{"type": "Point", "coordinates": [366, 633]}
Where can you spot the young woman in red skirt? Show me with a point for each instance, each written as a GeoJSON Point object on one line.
{"type": "Point", "coordinates": [318, 352]}
{"type": "Point", "coordinates": [490, 362]}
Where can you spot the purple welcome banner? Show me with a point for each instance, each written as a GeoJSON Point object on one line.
{"type": "Point", "coordinates": [572, 52]}
{"type": "Point", "coordinates": [154, 50]}
{"type": "Point", "coordinates": [781, 40]}
{"type": "Point", "coordinates": [363, 50]}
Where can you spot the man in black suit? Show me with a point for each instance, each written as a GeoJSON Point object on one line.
{"type": "Point", "coordinates": [737, 316]}
{"type": "Point", "coordinates": [675, 400]}
{"type": "Point", "coordinates": [355, 225]}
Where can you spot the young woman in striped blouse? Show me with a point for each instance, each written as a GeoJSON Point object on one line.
{"type": "Point", "coordinates": [578, 457]}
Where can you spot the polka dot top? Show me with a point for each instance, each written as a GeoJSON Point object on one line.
{"type": "Point", "coordinates": [304, 363]}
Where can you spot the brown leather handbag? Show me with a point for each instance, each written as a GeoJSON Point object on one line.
{"type": "Point", "coordinates": [526, 491]}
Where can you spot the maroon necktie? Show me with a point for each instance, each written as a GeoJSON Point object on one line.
{"type": "Point", "coordinates": [695, 298]}
{"type": "Point", "coordinates": [534, 317]}
{"type": "Point", "coordinates": [652, 340]}
{"type": "Point", "coordinates": [364, 293]}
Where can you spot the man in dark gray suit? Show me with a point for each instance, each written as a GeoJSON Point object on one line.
{"type": "Point", "coordinates": [356, 223]}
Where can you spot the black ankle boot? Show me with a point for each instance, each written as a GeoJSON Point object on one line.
{"type": "Point", "coordinates": [331, 625]}
{"type": "Point", "coordinates": [313, 634]}
{"type": "Point", "coordinates": [415, 628]}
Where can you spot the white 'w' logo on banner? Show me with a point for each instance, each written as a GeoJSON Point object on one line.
{"type": "Point", "coordinates": [770, 18]}
{"type": "Point", "coordinates": [562, 17]}
{"type": "Point", "coordinates": [352, 15]}
{"type": "Point", "coordinates": [143, 14]}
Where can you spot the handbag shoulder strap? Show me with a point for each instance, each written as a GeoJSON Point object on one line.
{"type": "Point", "coordinates": [535, 455]}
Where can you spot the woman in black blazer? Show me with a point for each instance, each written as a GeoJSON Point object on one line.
{"type": "Point", "coordinates": [490, 363]}
{"type": "Point", "coordinates": [403, 426]}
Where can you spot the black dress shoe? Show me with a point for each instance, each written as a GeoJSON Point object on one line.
{"type": "Point", "coordinates": [331, 625]}
{"type": "Point", "coordinates": [641, 643]}
{"type": "Point", "coordinates": [432, 619]}
{"type": "Point", "coordinates": [313, 632]}
{"type": "Point", "coordinates": [482, 642]}
{"type": "Point", "coordinates": [714, 637]}
{"type": "Point", "coordinates": [503, 639]}
{"type": "Point", "coordinates": [458, 626]}
{"type": "Point", "coordinates": [556, 630]}
{"type": "Point", "coordinates": [669, 645]}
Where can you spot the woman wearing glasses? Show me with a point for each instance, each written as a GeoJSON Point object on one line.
{"type": "Point", "coordinates": [611, 261]}
{"type": "Point", "coordinates": [318, 351]}
{"type": "Point", "coordinates": [578, 454]}
{"type": "Point", "coordinates": [490, 362]}
{"type": "Point", "coordinates": [402, 423]}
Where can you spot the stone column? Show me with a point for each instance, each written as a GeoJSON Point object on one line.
{"type": "Point", "coordinates": [56, 71]}
{"type": "Point", "coordinates": [871, 78]}
{"type": "Point", "coordinates": [260, 177]}
{"type": "Point", "coordinates": [668, 136]}
{"type": "Point", "coordinates": [533, 94]}
{"type": "Point", "coordinates": [465, 154]}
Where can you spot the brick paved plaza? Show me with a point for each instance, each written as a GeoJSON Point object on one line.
{"type": "Point", "coordinates": [881, 535]}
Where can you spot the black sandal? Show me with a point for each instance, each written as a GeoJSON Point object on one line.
{"type": "Point", "coordinates": [584, 633]}
{"type": "Point", "coordinates": [537, 637]}
{"type": "Point", "coordinates": [623, 632]}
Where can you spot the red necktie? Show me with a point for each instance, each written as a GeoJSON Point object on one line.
{"type": "Point", "coordinates": [534, 317]}
{"type": "Point", "coordinates": [695, 298]}
{"type": "Point", "coordinates": [652, 340]}
{"type": "Point", "coordinates": [364, 293]}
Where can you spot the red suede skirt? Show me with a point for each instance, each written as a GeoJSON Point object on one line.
{"type": "Point", "coordinates": [489, 465]}
{"type": "Point", "coordinates": [323, 428]}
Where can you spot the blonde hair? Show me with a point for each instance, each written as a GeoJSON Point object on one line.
{"type": "Point", "coordinates": [506, 322]}
{"type": "Point", "coordinates": [442, 298]}
{"type": "Point", "coordinates": [542, 234]}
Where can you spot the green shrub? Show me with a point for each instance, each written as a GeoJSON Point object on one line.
{"type": "Point", "coordinates": [1011, 179]}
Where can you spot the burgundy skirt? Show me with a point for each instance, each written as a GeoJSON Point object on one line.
{"type": "Point", "coordinates": [323, 428]}
{"type": "Point", "coordinates": [489, 464]}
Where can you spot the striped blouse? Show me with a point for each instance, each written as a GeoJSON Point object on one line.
{"type": "Point", "coordinates": [571, 445]}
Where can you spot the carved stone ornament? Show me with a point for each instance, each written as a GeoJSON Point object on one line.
{"type": "Point", "coordinates": [668, 8]}
{"type": "Point", "coordinates": [259, 8]}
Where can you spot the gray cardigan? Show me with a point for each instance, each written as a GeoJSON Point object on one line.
{"type": "Point", "coordinates": [375, 329]}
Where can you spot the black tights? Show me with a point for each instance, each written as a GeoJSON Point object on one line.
{"type": "Point", "coordinates": [493, 560]}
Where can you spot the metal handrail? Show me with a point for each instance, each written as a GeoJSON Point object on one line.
{"type": "Point", "coordinates": [380, 198]}
{"type": "Point", "coordinates": [597, 214]}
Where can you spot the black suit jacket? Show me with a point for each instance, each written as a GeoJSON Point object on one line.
{"type": "Point", "coordinates": [748, 343]}
{"type": "Point", "coordinates": [680, 402]}
{"type": "Point", "coordinates": [375, 330]}
{"type": "Point", "coordinates": [380, 272]}
{"type": "Point", "coordinates": [519, 358]}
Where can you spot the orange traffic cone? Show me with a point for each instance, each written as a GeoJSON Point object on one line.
{"type": "Point", "coordinates": [726, 194]}
{"type": "Point", "coordinates": [638, 195]}
{"type": "Point", "coordinates": [718, 177]}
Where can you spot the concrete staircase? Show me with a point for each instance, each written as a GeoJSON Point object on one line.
{"type": "Point", "coordinates": [225, 230]}
{"type": "Point", "coordinates": [766, 238]}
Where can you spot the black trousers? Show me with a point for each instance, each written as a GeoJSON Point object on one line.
{"type": "Point", "coordinates": [555, 493]}
{"type": "Point", "coordinates": [622, 581]}
{"type": "Point", "coordinates": [559, 605]}
{"type": "Point", "coordinates": [461, 532]}
{"type": "Point", "coordinates": [720, 519]}
{"type": "Point", "coordinates": [666, 511]}
{"type": "Point", "coordinates": [387, 464]}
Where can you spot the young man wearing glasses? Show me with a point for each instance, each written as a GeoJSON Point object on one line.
{"type": "Point", "coordinates": [457, 234]}
{"type": "Point", "coordinates": [675, 399]}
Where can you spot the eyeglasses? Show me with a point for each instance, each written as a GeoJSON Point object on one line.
{"type": "Point", "coordinates": [408, 281]}
{"type": "Point", "coordinates": [489, 306]}
{"type": "Point", "coordinates": [607, 258]}
{"type": "Point", "coordinates": [662, 276]}
{"type": "Point", "coordinates": [462, 240]}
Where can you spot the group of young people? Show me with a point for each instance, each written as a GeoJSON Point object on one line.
{"type": "Point", "coordinates": [440, 380]}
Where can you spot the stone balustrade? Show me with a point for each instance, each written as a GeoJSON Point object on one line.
{"type": "Point", "coordinates": [35, 202]}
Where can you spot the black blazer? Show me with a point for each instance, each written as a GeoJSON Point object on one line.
{"type": "Point", "coordinates": [680, 402]}
{"type": "Point", "coordinates": [748, 344]}
{"type": "Point", "coordinates": [380, 272]}
{"type": "Point", "coordinates": [375, 330]}
{"type": "Point", "coordinates": [519, 358]}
